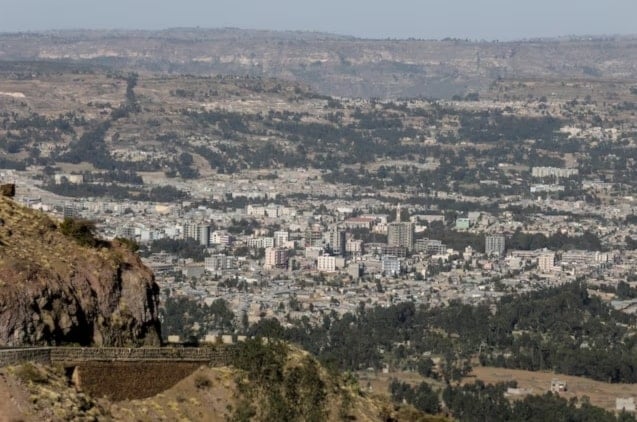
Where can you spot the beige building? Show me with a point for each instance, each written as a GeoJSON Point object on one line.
{"type": "Point", "coordinates": [546, 262]}
{"type": "Point", "coordinates": [326, 263]}
{"type": "Point", "coordinates": [276, 258]}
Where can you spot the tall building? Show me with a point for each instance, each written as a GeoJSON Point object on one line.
{"type": "Point", "coordinates": [495, 244]}
{"type": "Point", "coordinates": [276, 258]}
{"type": "Point", "coordinates": [336, 239]}
{"type": "Point", "coordinates": [199, 232]}
{"type": "Point", "coordinates": [313, 235]}
{"type": "Point", "coordinates": [546, 261]}
{"type": "Point", "coordinates": [399, 233]}
{"type": "Point", "coordinates": [203, 235]}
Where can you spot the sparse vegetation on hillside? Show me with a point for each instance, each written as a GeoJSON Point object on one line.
{"type": "Point", "coordinates": [82, 231]}
{"type": "Point", "coordinates": [284, 384]}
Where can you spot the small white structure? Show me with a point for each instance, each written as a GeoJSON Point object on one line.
{"type": "Point", "coordinates": [625, 404]}
{"type": "Point", "coordinates": [558, 386]}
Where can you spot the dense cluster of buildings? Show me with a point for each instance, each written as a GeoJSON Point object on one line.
{"type": "Point", "coordinates": [336, 253]}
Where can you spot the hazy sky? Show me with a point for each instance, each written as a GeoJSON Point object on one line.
{"type": "Point", "coordinates": [474, 19]}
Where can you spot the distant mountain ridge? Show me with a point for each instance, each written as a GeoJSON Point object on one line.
{"type": "Point", "coordinates": [333, 64]}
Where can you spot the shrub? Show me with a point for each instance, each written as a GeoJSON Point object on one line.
{"type": "Point", "coordinates": [82, 231]}
{"type": "Point", "coordinates": [31, 373]}
{"type": "Point", "coordinates": [130, 244]}
{"type": "Point", "coordinates": [202, 382]}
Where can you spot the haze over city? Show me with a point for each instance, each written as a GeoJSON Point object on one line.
{"type": "Point", "coordinates": [486, 19]}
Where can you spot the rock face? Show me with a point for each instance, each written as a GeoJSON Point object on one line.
{"type": "Point", "coordinates": [54, 291]}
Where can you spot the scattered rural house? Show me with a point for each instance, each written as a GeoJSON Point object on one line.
{"type": "Point", "coordinates": [558, 386]}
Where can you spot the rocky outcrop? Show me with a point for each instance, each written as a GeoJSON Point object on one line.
{"type": "Point", "coordinates": [54, 291]}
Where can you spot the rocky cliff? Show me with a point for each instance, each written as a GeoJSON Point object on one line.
{"type": "Point", "coordinates": [54, 290]}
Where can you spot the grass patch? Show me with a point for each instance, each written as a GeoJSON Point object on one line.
{"type": "Point", "coordinates": [31, 373]}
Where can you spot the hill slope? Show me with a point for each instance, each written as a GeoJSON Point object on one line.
{"type": "Point", "coordinates": [54, 290]}
{"type": "Point", "coordinates": [267, 382]}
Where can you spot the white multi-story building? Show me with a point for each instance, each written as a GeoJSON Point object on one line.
{"type": "Point", "coordinates": [326, 263]}
{"type": "Point", "coordinates": [553, 171]}
{"type": "Point", "coordinates": [218, 262]}
{"type": "Point", "coordinates": [255, 210]}
{"type": "Point", "coordinates": [220, 238]}
{"type": "Point", "coordinates": [261, 242]}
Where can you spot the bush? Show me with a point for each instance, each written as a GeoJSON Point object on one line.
{"type": "Point", "coordinates": [130, 244]}
{"type": "Point", "coordinates": [82, 231]}
{"type": "Point", "coordinates": [202, 382]}
{"type": "Point", "coordinates": [31, 373]}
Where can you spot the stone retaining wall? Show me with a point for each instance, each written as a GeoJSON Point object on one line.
{"type": "Point", "coordinates": [31, 354]}
{"type": "Point", "coordinates": [214, 356]}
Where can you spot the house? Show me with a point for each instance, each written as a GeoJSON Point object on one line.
{"type": "Point", "coordinates": [558, 386]}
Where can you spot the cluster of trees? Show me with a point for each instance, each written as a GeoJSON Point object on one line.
{"type": "Point", "coordinates": [422, 396]}
{"type": "Point", "coordinates": [557, 241]}
{"type": "Point", "coordinates": [455, 239]}
{"type": "Point", "coordinates": [6, 163]}
{"type": "Point", "coordinates": [484, 402]}
{"type": "Point", "coordinates": [480, 401]}
{"type": "Point", "coordinates": [244, 226]}
{"type": "Point", "coordinates": [562, 329]}
{"type": "Point", "coordinates": [184, 165]}
{"type": "Point", "coordinates": [487, 126]}
{"type": "Point", "coordinates": [181, 316]}
{"type": "Point", "coordinates": [217, 160]}
{"type": "Point", "coordinates": [227, 122]}
{"type": "Point", "coordinates": [284, 392]}
{"type": "Point", "coordinates": [91, 148]}
{"type": "Point", "coordinates": [182, 248]}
